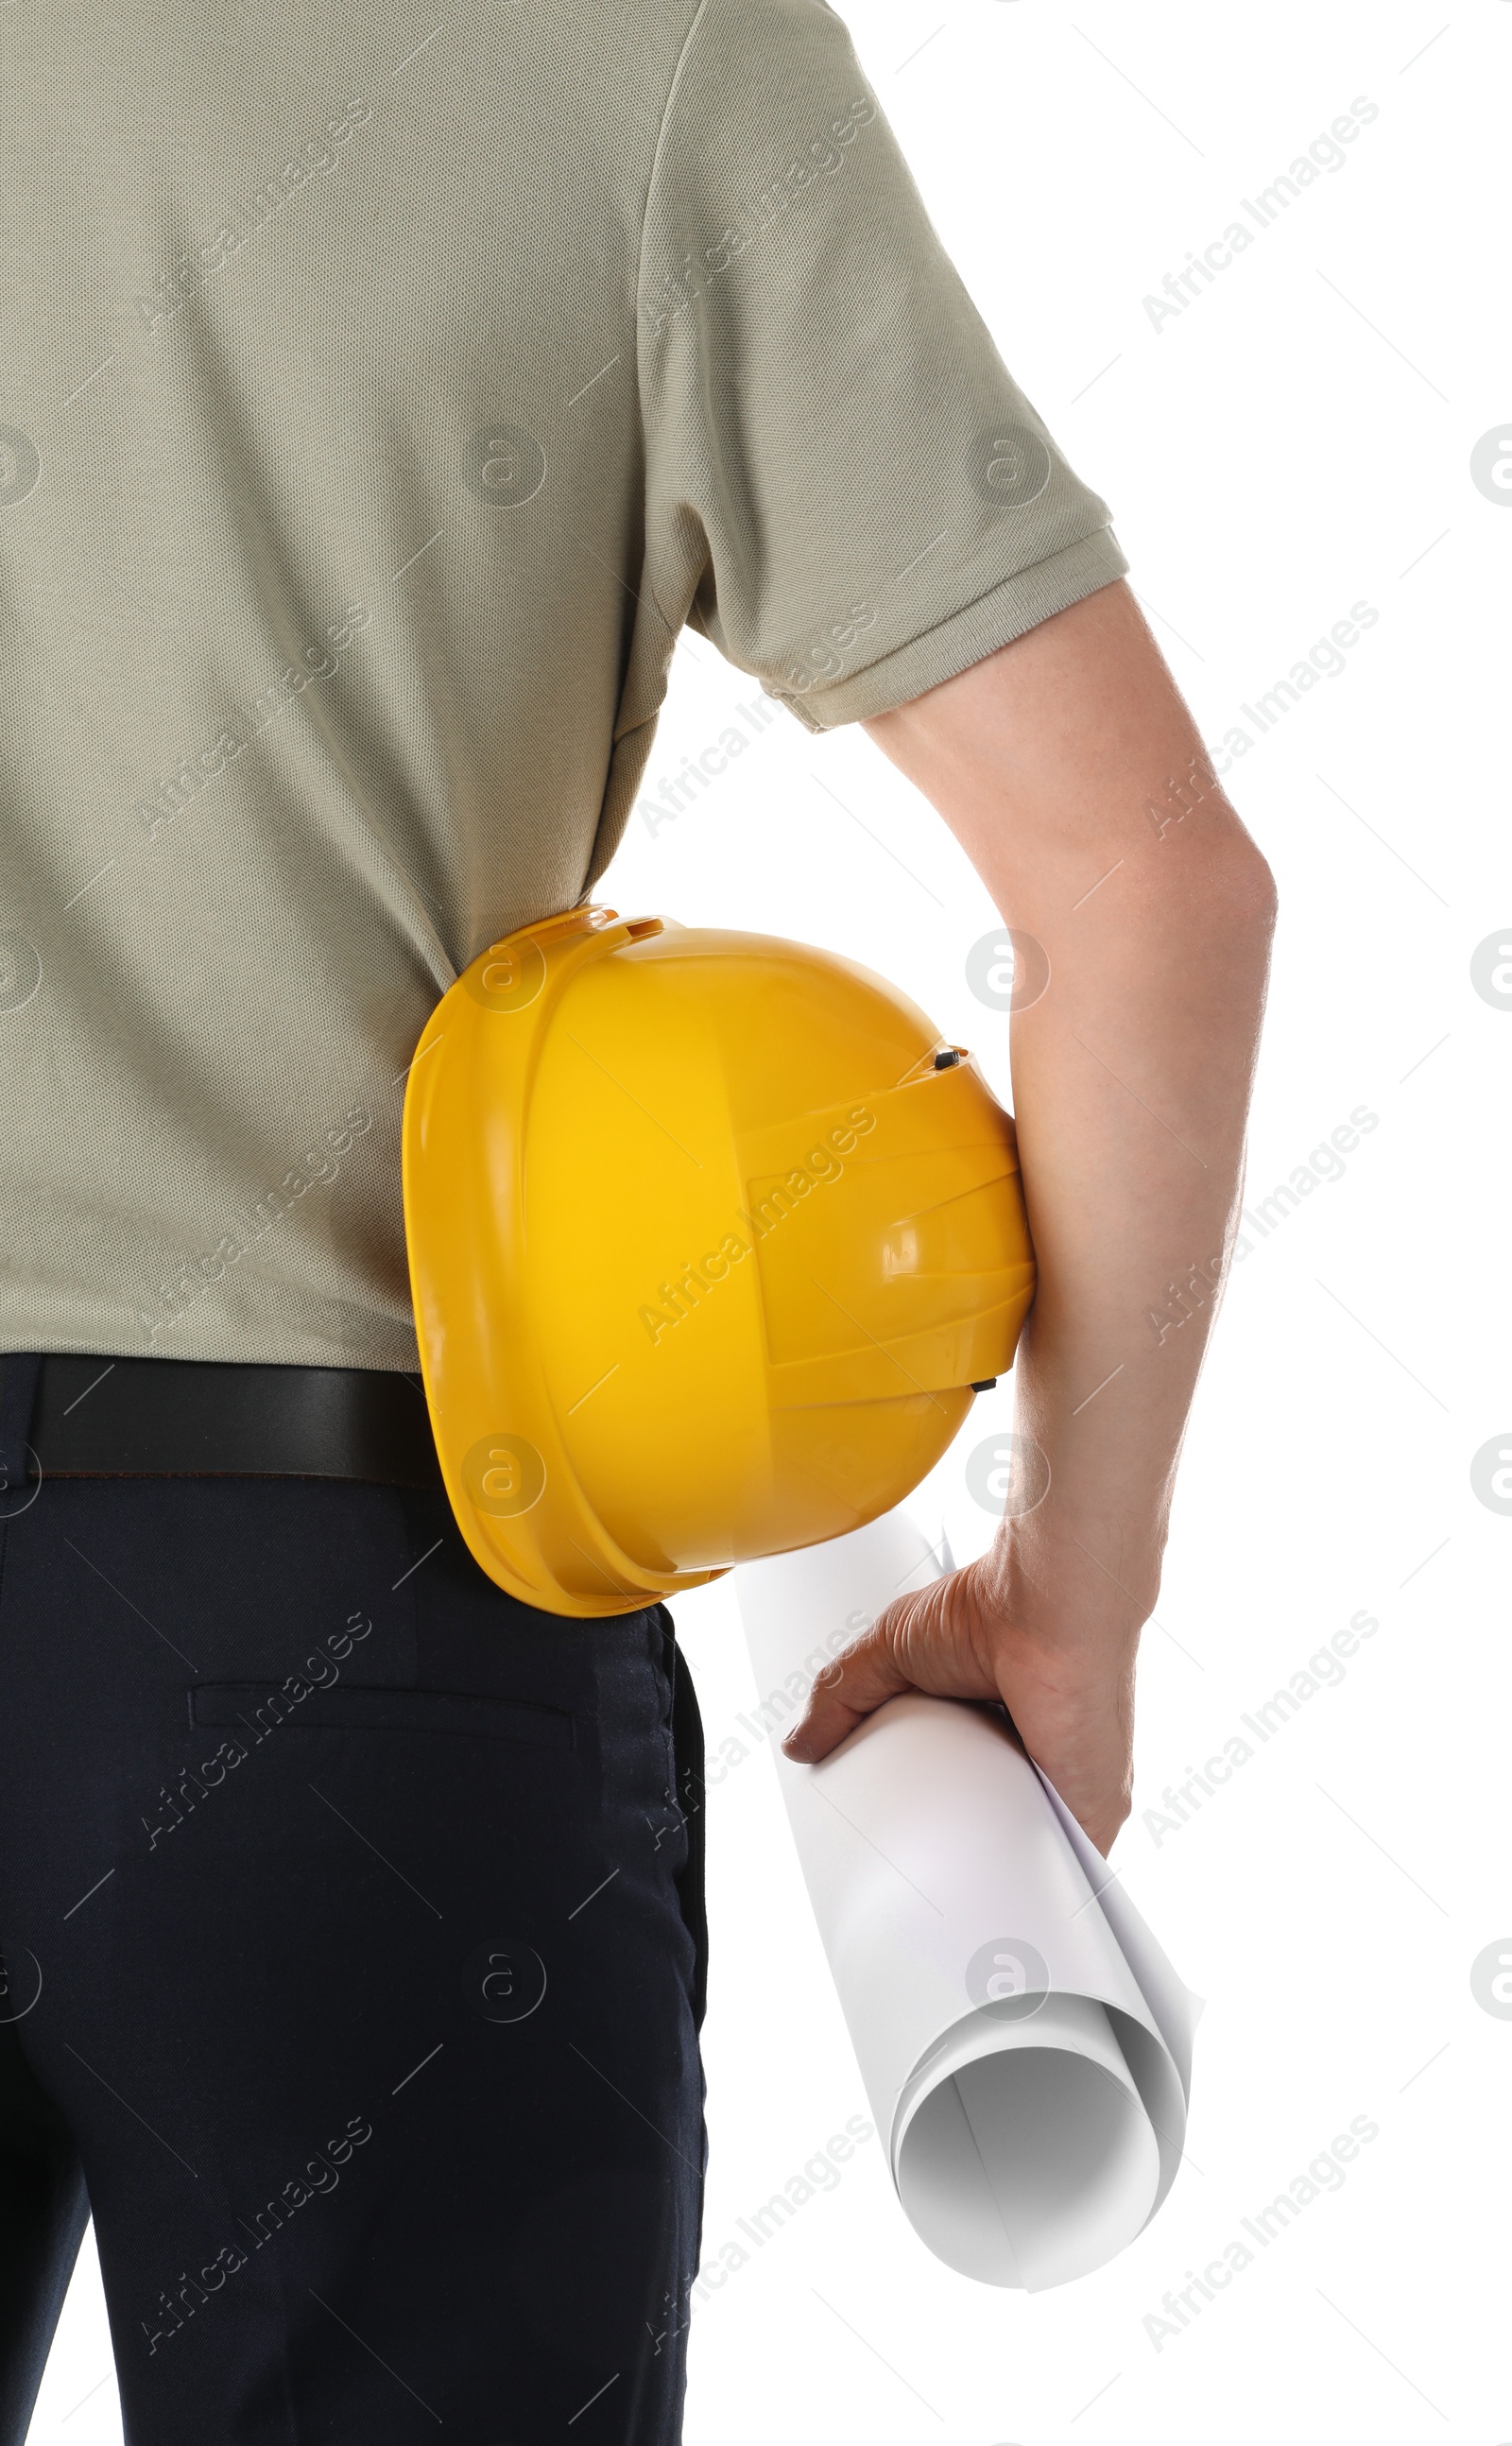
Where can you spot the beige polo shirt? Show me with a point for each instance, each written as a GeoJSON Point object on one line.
{"type": "Point", "coordinates": [380, 390]}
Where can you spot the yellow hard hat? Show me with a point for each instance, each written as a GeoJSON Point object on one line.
{"type": "Point", "coordinates": [709, 1237]}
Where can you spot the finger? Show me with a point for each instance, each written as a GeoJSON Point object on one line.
{"type": "Point", "coordinates": [851, 1687]}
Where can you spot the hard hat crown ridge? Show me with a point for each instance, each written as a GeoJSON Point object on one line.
{"type": "Point", "coordinates": [710, 1239]}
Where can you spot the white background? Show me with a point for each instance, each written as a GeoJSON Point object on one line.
{"type": "Point", "coordinates": [1296, 442]}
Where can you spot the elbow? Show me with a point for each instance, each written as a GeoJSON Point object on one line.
{"type": "Point", "coordinates": [1233, 883]}
{"type": "Point", "coordinates": [1222, 889]}
{"type": "Point", "coordinates": [1254, 889]}
{"type": "Point", "coordinates": [1241, 918]}
{"type": "Point", "coordinates": [1220, 907]}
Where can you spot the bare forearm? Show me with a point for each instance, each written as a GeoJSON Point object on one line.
{"type": "Point", "coordinates": [1132, 1083]}
{"type": "Point", "coordinates": [1132, 1078]}
{"type": "Point", "coordinates": [1070, 772]}
{"type": "Point", "coordinates": [1132, 1070]}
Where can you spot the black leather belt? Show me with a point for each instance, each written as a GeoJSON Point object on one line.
{"type": "Point", "coordinates": [67, 1416]}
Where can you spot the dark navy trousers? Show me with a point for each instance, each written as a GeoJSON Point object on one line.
{"type": "Point", "coordinates": [353, 1945]}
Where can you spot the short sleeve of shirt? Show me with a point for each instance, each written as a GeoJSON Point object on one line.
{"type": "Point", "coordinates": [846, 490]}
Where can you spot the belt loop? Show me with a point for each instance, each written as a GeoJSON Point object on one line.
{"type": "Point", "coordinates": [19, 1374]}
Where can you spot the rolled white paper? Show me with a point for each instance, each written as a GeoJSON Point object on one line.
{"type": "Point", "coordinates": [1024, 2042]}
